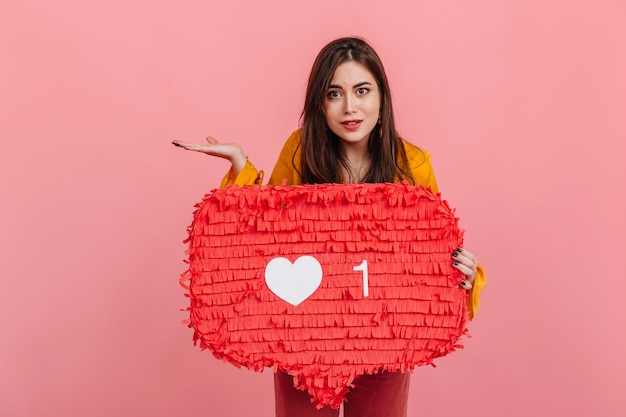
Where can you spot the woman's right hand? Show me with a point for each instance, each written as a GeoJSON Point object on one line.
{"type": "Point", "coordinates": [231, 151]}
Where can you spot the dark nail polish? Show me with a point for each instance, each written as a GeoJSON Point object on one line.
{"type": "Point", "coordinates": [176, 144]}
{"type": "Point", "coordinates": [454, 255]}
{"type": "Point", "coordinates": [459, 250]}
{"type": "Point", "coordinates": [455, 263]}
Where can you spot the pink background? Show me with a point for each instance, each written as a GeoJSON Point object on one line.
{"type": "Point", "coordinates": [521, 103]}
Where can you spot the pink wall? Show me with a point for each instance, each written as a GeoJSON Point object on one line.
{"type": "Point", "coordinates": [521, 103]}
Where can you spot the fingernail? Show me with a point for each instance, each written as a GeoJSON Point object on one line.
{"type": "Point", "coordinates": [176, 144]}
{"type": "Point", "coordinates": [454, 255]}
{"type": "Point", "coordinates": [455, 263]}
{"type": "Point", "coordinates": [459, 250]}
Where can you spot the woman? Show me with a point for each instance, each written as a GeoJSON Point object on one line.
{"type": "Point", "coordinates": [348, 134]}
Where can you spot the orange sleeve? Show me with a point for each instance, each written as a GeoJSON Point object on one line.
{"type": "Point", "coordinates": [473, 298]}
{"type": "Point", "coordinates": [248, 176]}
{"type": "Point", "coordinates": [420, 167]}
{"type": "Point", "coordinates": [288, 159]}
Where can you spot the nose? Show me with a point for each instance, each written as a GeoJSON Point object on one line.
{"type": "Point", "coordinates": [349, 104]}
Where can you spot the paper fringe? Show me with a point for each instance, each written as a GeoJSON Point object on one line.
{"type": "Point", "coordinates": [415, 311]}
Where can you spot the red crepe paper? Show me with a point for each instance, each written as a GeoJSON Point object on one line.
{"type": "Point", "coordinates": [410, 310]}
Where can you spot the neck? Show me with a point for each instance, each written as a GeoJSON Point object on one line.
{"type": "Point", "coordinates": [358, 160]}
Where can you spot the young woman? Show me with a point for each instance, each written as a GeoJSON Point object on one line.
{"type": "Point", "coordinates": [348, 134]}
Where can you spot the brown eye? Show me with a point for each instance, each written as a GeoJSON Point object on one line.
{"type": "Point", "coordinates": [362, 91]}
{"type": "Point", "coordinates": [333, 94]}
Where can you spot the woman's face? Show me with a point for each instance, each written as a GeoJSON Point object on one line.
{"type": "Point", "coordinates": [352, 104]}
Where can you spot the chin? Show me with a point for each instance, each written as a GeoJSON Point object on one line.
{"type": "Point", "coordinates": [353, 137]}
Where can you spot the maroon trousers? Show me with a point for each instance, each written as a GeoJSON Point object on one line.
{"type": "Point", "coordinates": [382, 395]}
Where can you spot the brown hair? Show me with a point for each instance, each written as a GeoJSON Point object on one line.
{"type": "Point", "coordinates": [320, 154]}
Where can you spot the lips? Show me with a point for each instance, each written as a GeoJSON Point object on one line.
{"type": "Point", "coordinates": [351, 124]}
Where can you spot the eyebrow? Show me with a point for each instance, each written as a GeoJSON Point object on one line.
{"type": "Point", "coordinates": [354, 86]}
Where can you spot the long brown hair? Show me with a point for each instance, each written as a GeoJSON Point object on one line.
{"type": "Point", "coordinates": [321, 158]}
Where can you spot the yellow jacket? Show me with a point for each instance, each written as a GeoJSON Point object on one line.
{"type": "Point", "coordinates": [421, 170]}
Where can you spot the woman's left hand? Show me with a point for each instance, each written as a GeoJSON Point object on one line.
{"type": "Point", "coordinates": [466, 262]}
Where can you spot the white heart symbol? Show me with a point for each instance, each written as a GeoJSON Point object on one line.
{"type": "Point", "coordinates": [295, 282]}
